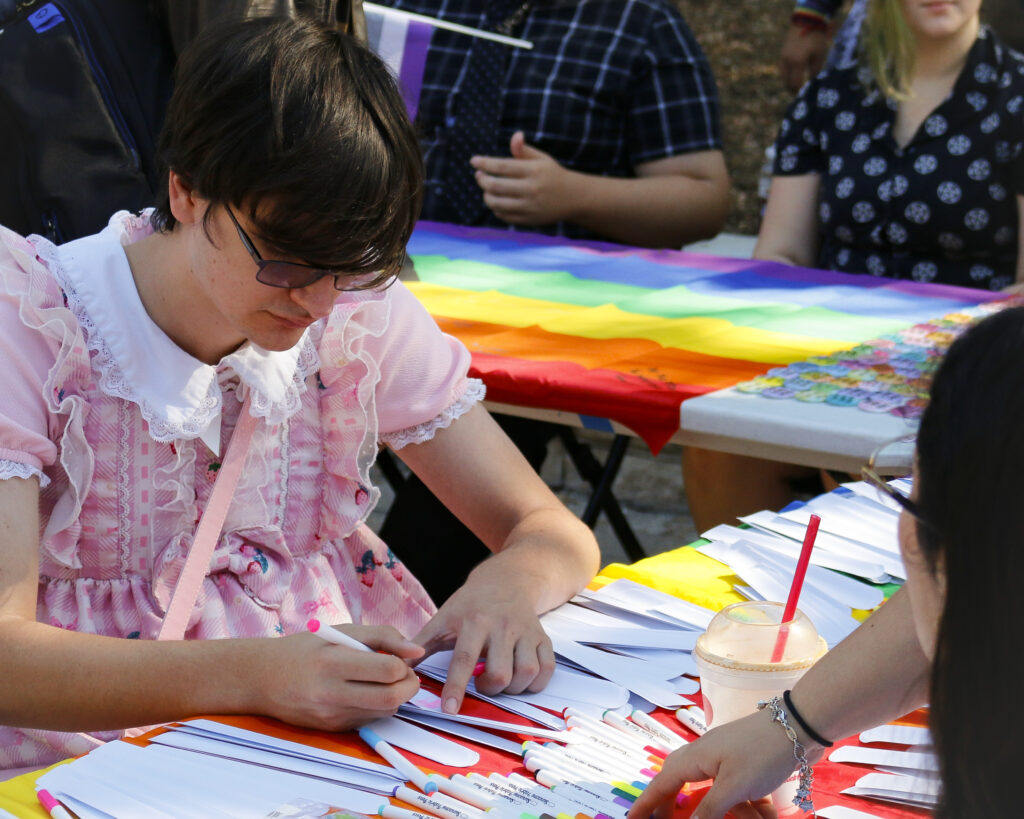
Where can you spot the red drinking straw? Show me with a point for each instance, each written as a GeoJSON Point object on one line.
{"type": "Point", "coordinates": [794, 590]}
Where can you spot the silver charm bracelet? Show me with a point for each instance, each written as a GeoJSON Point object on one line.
{"type": "Point", "coordinates": [803, 792]}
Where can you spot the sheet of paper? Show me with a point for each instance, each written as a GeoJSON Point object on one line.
{"type": "Point", "coordinates": [844, 519]}
{"type": "Point", "coordinates": [898, 735]}
{"type": "Point", "coordinates": [424, 743]}
{"type": "Point", "coordinates": [894, 788]}
{"type": "Point", "coordinates": [866, 490]}
{"type": "Point", "coordinates": [633, 596]}
{"type": "Point", "coordinates": [211, 727]}
{"type": "Point", "coordinates": [851, 593]}
{"type": "Point", "coordinates": [458, 729]}
{"type": "Point", "coordinates": [670, 663]}
{"type": "Point", "coordinates": [436, 667]}
{"type": "Point", "coordinates": [833, 621]}
{"type": "Point", "coordinates": [651, 619]}
{"type": "Point", "coordinates": [186, 785]}
{"type": "Point", "coordinates": [869, 504]}
{"type": "Point", "coordinates": [188, 741]}
{"type": "Point", "coordinates": [684, 685]}
{"type": "Point", "coordinates": [840, 812]}
{"type": "Point", "coordinates": [771, 522]}
{"type": "Point", "coordinates": [628, 672]}
{"type": "Point", "coordinates": [787, 546]}
{"type": "Point", "coordinates": [623, 636]}
{"type": "Point", "coordinates": [903, 760]}
{"type": "Point", "coordinates": [573, 686]}
{"type": "Point", "coordinates": [85, 794]}
{"type": "Point", "coordinates": [480, 722]}
{"type": "Point", "coordinates": [236, 788]}
{"type": "Point", "coordinates": [424, 702]}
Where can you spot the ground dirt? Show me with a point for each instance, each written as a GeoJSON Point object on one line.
{"type": "Point", "coordinates": [742, 39]}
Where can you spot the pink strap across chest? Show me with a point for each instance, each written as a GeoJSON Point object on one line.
{"type": "Point", "coordinates": [197, 562]}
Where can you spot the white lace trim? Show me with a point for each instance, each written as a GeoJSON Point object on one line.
{"type": "Point", "coordinates": [113, 382]}
{"type": "Point", "coordinates": [475, 391]}
{"type": "Point", "coordinates": [13, 469]}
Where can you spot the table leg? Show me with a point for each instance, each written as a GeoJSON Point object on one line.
{"type": "Point", "coordinates": [601, 477]}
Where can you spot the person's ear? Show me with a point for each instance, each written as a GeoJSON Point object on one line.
{"type": "Point", "coordinates": [187, 206]}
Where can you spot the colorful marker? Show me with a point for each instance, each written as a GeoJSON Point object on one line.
{"type": "Point", "coordinates": [389, 811]}
{"type": "Point", "coordinates": [631, 728]}
{"type": "Point", "coordinates": [645, 720]}
{"type": "Point", "coordinates": [617, 767]}
{"type": "Point", "coordinates": [603, 729]}
{"type": "Point", "coordinates": [437, 803]}
{"type": "Point", "coordinates": [693, 718]}
{"type": "Point", "coordinates": [397, 761]}
{"type": "Point", "coordinates": [464, 793]}
{"type": "Point", "coordinates": [53, 807]}
{"type": "Point", "coordinates": [639, 760]}
{"type": "Point", "coordinates": [573, 776]}
{"type": "Point", "coordinates": [579, 734]}
{"type": "Point", "coordinates": [332, 635]}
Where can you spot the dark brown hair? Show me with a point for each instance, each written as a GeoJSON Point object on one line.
{"type": "Point", "coordinates": [304, 130]}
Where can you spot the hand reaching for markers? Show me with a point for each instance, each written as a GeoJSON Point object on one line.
{"type": "Point", "coordinates": [746, 758]}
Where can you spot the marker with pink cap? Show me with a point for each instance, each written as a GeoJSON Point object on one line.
{"type": "Point", "coordinates": [332, 635]}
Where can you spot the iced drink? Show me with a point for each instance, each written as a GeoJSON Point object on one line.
{"type": "Point", "coordinates": [735, 660]}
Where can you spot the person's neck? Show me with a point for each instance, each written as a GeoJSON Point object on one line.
{"type": "Point", "coordinates": [167, 289]}
{"type": "Point", "coordinates": [941, 58]}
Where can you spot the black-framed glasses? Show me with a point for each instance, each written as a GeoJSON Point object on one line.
{"type": "Point", "coordinates": [276, 273]}
{"type": "Point", "coordinates": [870, 473]}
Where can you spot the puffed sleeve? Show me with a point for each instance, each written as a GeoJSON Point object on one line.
{"type": "Point", "coordinates": [25, 361]}
{"type": "Point", "coordinates": [674, 107]}
{"type": "Point", "coordinates": [423, 384]}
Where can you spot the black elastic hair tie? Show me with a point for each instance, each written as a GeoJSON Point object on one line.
{"type": "Point", "coordinates": [814, 735]}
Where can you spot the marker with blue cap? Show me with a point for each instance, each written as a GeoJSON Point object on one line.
{"type": "Point", "coordinates": [397, 761]}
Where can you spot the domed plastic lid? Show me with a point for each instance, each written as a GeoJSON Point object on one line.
{"type": "Point", "coordinates": [748, 635]}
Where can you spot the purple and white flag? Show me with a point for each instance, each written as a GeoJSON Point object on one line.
{"type": "Point", "coordinates": [401, 42]}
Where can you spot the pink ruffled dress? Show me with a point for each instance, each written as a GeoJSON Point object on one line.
{"type": "Point", "coordinates": [123, 430]}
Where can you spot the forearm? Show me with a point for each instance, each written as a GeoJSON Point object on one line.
{"type": "Point", "coordinates": [875, 675]}
{"type": "Point", "coordinates": [653, 211]}
{"type": "Point", "coordinates": [549, 556]}
{"type": "Point", "coordinates": [61, 680]}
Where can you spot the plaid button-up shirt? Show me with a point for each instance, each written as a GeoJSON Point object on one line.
{"type": "Point", "coordinates": [608, 85]}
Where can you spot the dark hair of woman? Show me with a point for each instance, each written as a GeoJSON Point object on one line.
{"type": "Point", "coordinates": [970, 453]}
{"type": "Point", "coordinates": [302, 129]}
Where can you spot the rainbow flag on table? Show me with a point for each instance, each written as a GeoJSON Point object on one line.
{"type": "Point", "coordinates": [628, 334]}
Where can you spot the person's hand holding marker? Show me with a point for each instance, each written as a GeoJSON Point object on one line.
{"type": "Point", "coordinates": [340, 681]}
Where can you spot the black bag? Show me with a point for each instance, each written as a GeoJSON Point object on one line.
{"type": "Point", "coordinates": [83, 88]}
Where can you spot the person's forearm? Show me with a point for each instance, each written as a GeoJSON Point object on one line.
{"type": "Point", "coordinates": [61, 680]}
{"type": "Point", "coordinates": [654, 211]}
{"type": "Point", "coordinates": [550, 555]}
{"type": "Point", "coordinates": [875, 675]}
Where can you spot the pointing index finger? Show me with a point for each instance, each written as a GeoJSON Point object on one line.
{"type": "Point", "coordinates": [465, 655]}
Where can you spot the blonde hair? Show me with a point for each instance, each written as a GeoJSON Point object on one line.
{"type": "Point", "coordinates": [887, 47]}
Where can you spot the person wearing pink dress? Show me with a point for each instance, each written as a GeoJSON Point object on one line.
{"type": "Point", "coordinates": [266, 274]}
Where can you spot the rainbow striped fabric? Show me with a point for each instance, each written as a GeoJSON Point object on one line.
{"type": "Point", "coordinates": [628, 334]}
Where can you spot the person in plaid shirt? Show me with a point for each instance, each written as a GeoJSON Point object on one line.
{"type": "Point", "coordinates": [608, 126]}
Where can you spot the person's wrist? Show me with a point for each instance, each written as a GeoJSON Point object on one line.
{"type": "Point", "coordinates": [573, 196]}
{"type": "Point", "coordinates": [806, 729]}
